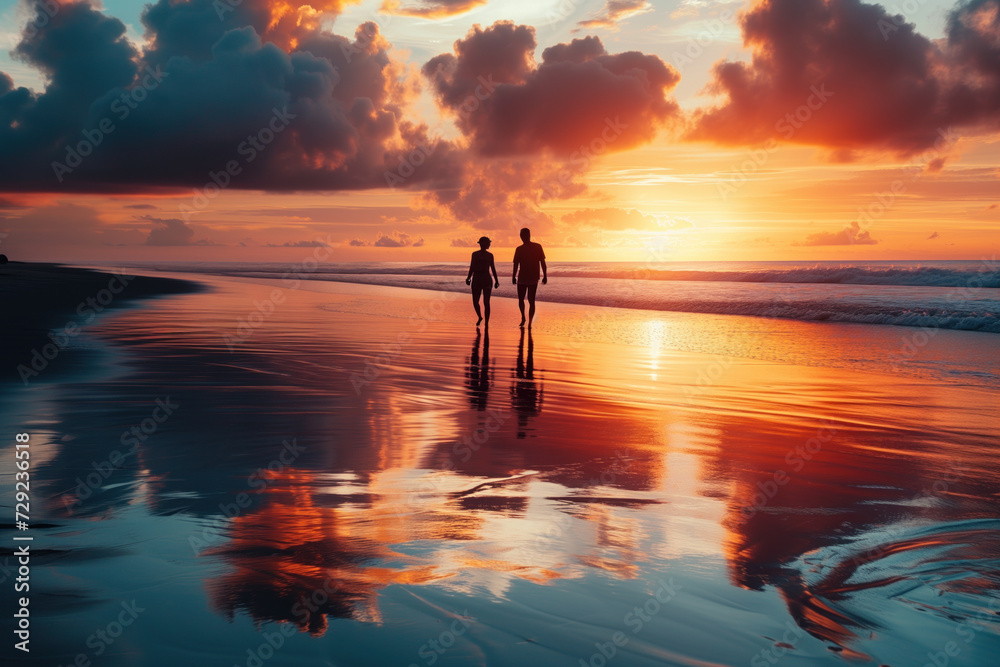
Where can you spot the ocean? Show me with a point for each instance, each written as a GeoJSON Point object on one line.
{"type": "Point", "coordinates": [961, 295]}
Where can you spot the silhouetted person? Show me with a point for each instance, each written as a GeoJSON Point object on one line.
{"type": "Point", "coordinates": [478, 374]}
{"type": "Point", "coordinates": [529, 257]}
{"type": "Point", "coordinates": [525, 396]}
{"type": "Point", "coordinates": [479, 278]}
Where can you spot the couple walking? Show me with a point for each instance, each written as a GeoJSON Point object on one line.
{"type": "Point", "coordinates": [529, 264]}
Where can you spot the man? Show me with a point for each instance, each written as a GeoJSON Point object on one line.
{"type": "Point", "coordinates": [528, 256]}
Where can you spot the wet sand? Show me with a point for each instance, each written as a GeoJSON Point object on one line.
{"type": "Point", "coordinates": [353, 475]}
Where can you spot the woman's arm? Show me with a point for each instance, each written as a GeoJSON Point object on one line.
{"type": "Point", "coordinates": [493, 266]}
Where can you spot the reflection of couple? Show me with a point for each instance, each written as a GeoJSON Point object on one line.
{"type": "Point", "coordinates": [525, 392]}
{"type": "Point", "coordinates": [528, 257]}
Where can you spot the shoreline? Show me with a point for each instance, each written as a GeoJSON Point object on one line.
{"type": "Point", "coordinates": [949, 356]}
{"type": "Point", "coordinates": [48, 305]}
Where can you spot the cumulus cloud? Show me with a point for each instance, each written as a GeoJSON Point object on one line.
{"type": "Point", "coordinates": [464, 242]}
{"type": "Point", "coordinates": [431, 9]}
{"type": "Point", "coordinates": [578, 97]}
{"type": "Point", "coordinates": [329, 113]}
{"type": "Point", "coordinates": [259, 96]}
{"type": "Point", "coordinates": [172, 231]}
{"type": "Point", "coordinates": [396, 239]}
{"type": "Point", "coordinates": [852, 235]}
{"type": "Point", "coordinates": [299, 244]}
{"type": "Point", "coordinates": [847, 75]}
{"type": "Point", "coordinates": [535, 128]}
{"type": "Point", "coordinates": [615, 11]}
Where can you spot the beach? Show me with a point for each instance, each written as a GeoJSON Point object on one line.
{"type": "Point", "coordinates": [253, 472]}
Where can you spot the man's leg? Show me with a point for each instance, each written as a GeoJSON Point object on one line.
{"type": "Point", "coordinates": [521, 290]}
{"type": "Point", "coordinates": [531, 302]}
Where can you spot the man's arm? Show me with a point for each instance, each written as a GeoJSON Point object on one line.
{"type": "Point", "coordinates": [545, 271]}
{"type": "Point", "coordinates": [517, 260]}
{"type": "Point", "coordinates": [468, 278]}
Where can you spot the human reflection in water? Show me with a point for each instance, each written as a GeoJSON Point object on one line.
{"type": "Point", "coordinates": [478, 374]}
{"type": "Point", "coordinates": [525, 393]}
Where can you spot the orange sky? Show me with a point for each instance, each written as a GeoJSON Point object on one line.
{"type": "Point", "coordinates": [711, 192]}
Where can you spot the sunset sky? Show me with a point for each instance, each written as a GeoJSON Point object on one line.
{"type": "Point", "coordinates": [403, 130]}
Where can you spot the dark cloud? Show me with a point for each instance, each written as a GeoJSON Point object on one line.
{"type": "Point", "coordinates": [299, 244]}
{"type": "Point", "coordinates": [578, 100]}
{"type": "Point", "coordinates": [615, 11]}
{"type": "Point", "coordinates": [431, 9]}
{"type": "Point", "coordinates": [257, 95]}
{"type": "Point", "coordinates": [189, 29]}
{"type": "Point", "coordinates": [394, 240]}
{"type": "Point", "coordinates": [852, 235]}
{"type": "Point", "coordinates": [169, 232]}
{"type": "Point", "coordinates": [535, 129]}
{"type": "Point", "coordinates": [141, 207]}
{"type": "Point", "coordinates": [849, 76]}
{"type": "Point", "coordinates": [935, 165]}
{"type": "Point", "coordinates": [935, 235]}
{"type": "Point", "coordinates": [7, 204]}
{"type": "Point", "coordinates": [330, 114]}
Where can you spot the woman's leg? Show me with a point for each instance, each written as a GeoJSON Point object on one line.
{"type": "Point", "coordinates": [487, 292]}
{"type": "Point", "coordinates": [476, 291]}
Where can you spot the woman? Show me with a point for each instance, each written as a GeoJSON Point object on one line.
{"type": "Point", "coordinates": [479, 278]}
